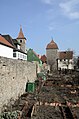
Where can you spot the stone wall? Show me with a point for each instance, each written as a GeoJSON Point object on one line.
{"type": "Point", "coordinates": [52, 56]}
{"type": "Point", "coordinates": [14, 75]}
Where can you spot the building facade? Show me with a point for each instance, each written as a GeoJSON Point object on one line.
{"type": "Point", "coordinates": [58, 60]}
{"type": "Point", "coordinates": [6, 49]}
{"type": "Point", "coordinates": [65, 60]}
{"type": "Point", "coordinates": [16, 48]}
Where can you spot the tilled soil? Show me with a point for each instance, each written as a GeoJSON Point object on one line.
{"type": "Point", "coordinates": [57, 89]}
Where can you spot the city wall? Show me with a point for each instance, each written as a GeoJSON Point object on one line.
{"type": "Point", "coordinates": [14, 75]}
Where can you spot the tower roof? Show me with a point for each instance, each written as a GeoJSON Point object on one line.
{"type": "Point", "coordinates": [20, 35]}
{"type": "Point", "coordinates": [52, 45]}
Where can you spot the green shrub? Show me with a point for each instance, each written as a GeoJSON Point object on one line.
{"type": "Point", "coordinates": [9, 115]}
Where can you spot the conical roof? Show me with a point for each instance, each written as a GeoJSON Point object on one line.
{"type": "Point", "coordinates": [52, 45]}
{"type": "Point", "coordinates": [20, 35]}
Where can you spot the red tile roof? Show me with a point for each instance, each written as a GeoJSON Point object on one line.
{"type": "Point", "coordinates": [66, 55]}
{"type": "Point", "coordinates": [43, 58]}
{"type": "Point", "coordinates": [5, 42]}
{"type": "Point", "coordinates": [52, 45]}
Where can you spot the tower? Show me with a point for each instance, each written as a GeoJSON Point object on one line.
{"type": "Point", "coordinates": [22, 40]}
{"type": "Point", "coordinates": [52, 55]}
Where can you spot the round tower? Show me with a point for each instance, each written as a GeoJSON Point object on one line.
{"type": "Point", "coordinates": [52, 55]}
{"type": "Point", "coordinates": [22, 40]}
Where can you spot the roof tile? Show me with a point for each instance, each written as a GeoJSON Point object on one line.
{"type": "Point", "coordinates": [20, 35]}
{"type": "Point", "coordinates": [5, 42]}
{"type": "Point", "coordinates": [52, 45]}
{"type": "Point", "coordinates": [66, 55]}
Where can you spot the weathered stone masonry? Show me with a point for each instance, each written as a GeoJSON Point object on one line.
{"type": "Point", "coordinates": [14, 75]}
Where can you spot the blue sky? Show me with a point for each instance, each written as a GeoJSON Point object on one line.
{"type": "Point", "coordinates": [41, 21]}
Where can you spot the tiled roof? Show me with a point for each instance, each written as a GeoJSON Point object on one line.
{"type": "Point", "coordinates": [9, 39]}
{"type": "Point", "coordinates": [52, 45]}
{"type": "Point", "coordinates": [13, 42]}
{"type": "Point", "coordinates": [43, 58]}
{"type": "Point", "coordinates": [20, 35]}
{"type": "Point", "coordinates": [5, 42]}
{"type": "Point", "coordinates": [66, 55]}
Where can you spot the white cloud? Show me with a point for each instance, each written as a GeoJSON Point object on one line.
{"type": "Point", "coordinates": [69, 8]}
{"type": "Point", "coordinates": [48, 1]}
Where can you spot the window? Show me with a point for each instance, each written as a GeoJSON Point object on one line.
{"type": "Point", "coordinates": [14, 54]}
{"type": "Point", "coordinates": [20, 41]}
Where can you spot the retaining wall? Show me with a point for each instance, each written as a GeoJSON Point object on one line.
{"type": "Point", "coordinates": [14, 75]}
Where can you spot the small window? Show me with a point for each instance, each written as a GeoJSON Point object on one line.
{"type": "Point", "coordinates": [20, 41]}
{"type": "Point", "coordinates": [14, 54]}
